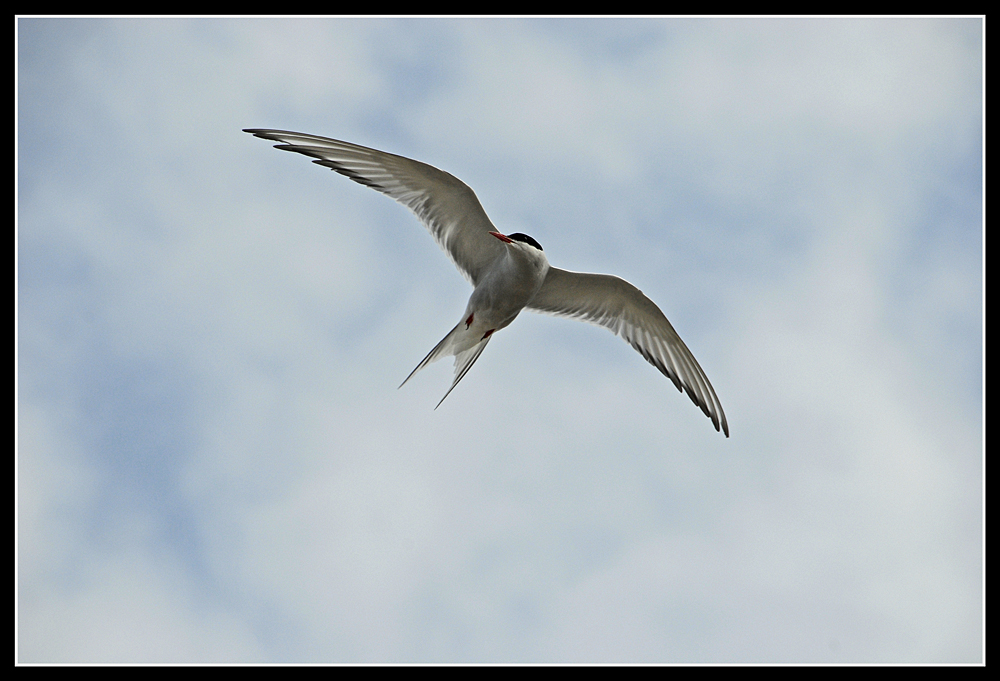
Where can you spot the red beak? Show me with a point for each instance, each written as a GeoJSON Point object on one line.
{"type": "Point", "coordinates": [502, 237]}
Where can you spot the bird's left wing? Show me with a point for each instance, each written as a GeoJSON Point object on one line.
{"type": "Point", "coordinates": [447, 206]}
{"type": "Point", "coordinates": [619, 306]}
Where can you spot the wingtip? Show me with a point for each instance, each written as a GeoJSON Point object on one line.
{"type": "Point", "coordinates": [263, 133]}
{"type": "Point", "coordinates": [260, 133]}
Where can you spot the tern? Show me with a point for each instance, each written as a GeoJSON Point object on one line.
{"type": "Point", "coordinates": [509, 272]}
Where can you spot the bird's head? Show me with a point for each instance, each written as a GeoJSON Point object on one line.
{"type": "Point", "coordinates": [526, 247]}
{"type": "Point", "coordinates": [523, 240]}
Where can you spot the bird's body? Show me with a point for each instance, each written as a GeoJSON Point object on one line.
{"type": "Point", "coordinates": [507, 286]}
{"type": "Point", "coordinates": [509, 273]}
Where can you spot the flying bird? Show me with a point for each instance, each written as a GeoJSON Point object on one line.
{"type": "Point", "coordinates": [509, 272]}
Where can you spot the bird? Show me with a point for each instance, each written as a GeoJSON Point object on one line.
{"type": "Point", "coordinates": [509, 272]}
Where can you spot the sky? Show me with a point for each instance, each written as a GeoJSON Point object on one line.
{"type": "Point", "coordinates": [214, 463]}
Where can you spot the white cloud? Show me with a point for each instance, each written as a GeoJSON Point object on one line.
{"type": "Point", "coordinates": [215, 463]}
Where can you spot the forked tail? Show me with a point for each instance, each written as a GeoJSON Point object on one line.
{"type": "Point", "coordinates": [463, 359]}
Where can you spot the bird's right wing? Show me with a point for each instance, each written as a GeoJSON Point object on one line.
{"type": "Point", "coordinates": [619, 306]}
{"type": "Point", "coordinates": [445, 204]}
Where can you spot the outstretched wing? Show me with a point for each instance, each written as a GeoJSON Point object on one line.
{"type": "Point", "coordinates": [619, 306]}
{"type": "Point", "coordinates": [445, 204]}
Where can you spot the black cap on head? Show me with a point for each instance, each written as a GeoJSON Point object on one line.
{"type": "Point", "coordinates": [525, 239]}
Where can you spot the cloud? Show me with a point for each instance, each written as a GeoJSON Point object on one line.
{"type": "Point", "coordinates": [214, 463]}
